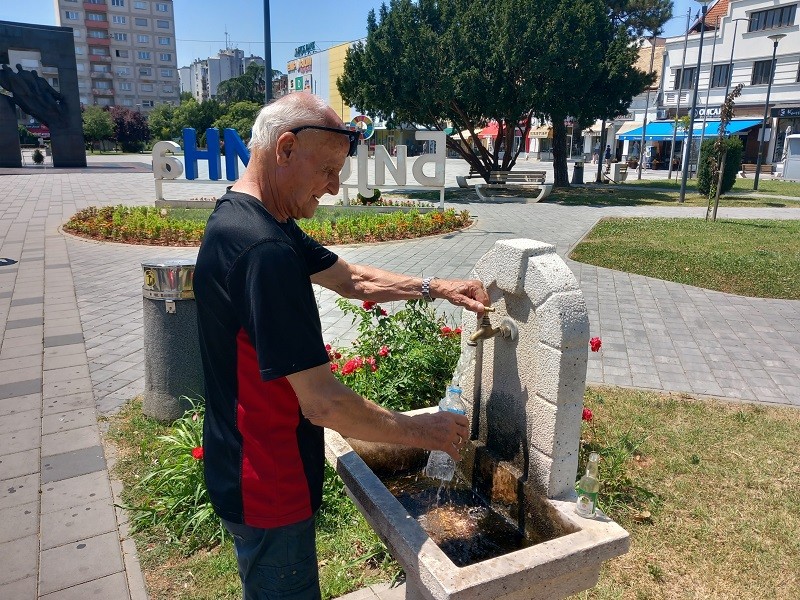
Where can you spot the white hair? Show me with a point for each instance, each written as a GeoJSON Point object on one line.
{"type": "Point", "coordinates": [283, 114]}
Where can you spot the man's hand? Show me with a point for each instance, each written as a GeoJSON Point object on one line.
{"type": "Point", "coordinates": [444, 431]}
{"type": "Point", "coordinates": [468, 293]}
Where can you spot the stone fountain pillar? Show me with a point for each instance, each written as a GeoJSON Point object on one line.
{"type": "Point", "coordinates": [527, 393]}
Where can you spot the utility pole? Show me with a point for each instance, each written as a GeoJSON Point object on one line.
{"type": "Point", "coordinates": [646, 108]}
{"type": "Point", "coordinates": [680, 91]}
{"type": "Point", "coordinates": [267, 55]}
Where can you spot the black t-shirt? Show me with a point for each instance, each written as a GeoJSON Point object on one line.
{"type": "Point", "coordinates": [258, 322]}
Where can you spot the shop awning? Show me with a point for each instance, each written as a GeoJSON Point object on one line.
{"type": "Point", "coordinates": [662, 130]}
{"type": "Point", "coordinates": [628, 126]}
{"type": "Point", "coordinates": [712, 127]}
{"type": "Point", "coordinates": [491, 131]}
{"type": "Point", "coordinates": [541, 132]}
{"type": "Point", "coordinates": [466, 134]}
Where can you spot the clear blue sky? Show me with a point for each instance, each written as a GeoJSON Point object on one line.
{"type": "Point", "coordinates": [201, 24]}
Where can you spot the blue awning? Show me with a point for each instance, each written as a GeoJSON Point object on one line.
{"type": "Point", "coordinates": [662, 130]}
{"type": "Point", "coordinates": [712, 127]}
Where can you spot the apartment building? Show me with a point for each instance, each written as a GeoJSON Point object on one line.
{"type": "Point", "coordinates": [203, 76]}
{"type": "Point", "coordinates": [125, 51]}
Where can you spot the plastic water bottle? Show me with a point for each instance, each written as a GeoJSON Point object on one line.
{"type": "Point", "coordinates": [440, 465]}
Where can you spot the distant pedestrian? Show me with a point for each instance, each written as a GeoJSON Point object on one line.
{"type": "Point", "coordinates": [608, 157]}
{"type": "Point", "coordinates": [596, 155]}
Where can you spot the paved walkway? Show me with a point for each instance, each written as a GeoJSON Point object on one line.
{"type": "Point", "coordinates": [71, 323]}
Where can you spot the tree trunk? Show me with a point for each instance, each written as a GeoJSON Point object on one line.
{"type": "Point", "coordinates": [560, 174]}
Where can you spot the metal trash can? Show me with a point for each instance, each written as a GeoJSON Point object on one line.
{"type": "Point", "coordinates": [577, 172]}
{"type": "Point", "coordinates": [173, 371]}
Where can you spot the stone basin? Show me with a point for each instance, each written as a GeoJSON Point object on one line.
{"type": "Point", "coordinates": [523, 384]}
{"type": "Point", "coordinates": [556, 568]}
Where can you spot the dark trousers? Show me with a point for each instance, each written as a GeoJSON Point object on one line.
{"type": "Point", "coordinates": [279, 563]}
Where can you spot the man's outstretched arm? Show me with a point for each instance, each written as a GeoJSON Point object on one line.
{"type": "Point", "coordinates": [369, 283]}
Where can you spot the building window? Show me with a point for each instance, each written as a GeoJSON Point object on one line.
{"type": "Point", "coordinates": [125, 86]}
{"type": "Point", "coordinates": [97, 34]}
{"type": "Point", "coordinates": [80, 67]}
{"type": "Point", "coordinates": [140, 5]}
{"type": "Point", "coordinates": [162, 7]}
{"type": "Point", "coordinates": [161, 24]}
{"type": "Point", "coordinates": [127, 102]}
{"type": "Point", "coordinates": [96, 17]}
{"type": "Point", "coordinates": [167, 73]}
{"type": "Point", "coordinates": [101, 84]}
{"type": "Point", "coordinates": [145, 72]}
{"type": "Point", "coordinates": [95, 1]}
{"type": "Point", "coordinates": [119, 20]}
{"type": "Point", "coordinates": [721, 76]}
{"type": "Point", "coordinates": [164, 41]}
{"type": "Point", "coordinates": [797, 79]}
{"type": "Point", "coordinates": [143, 55]}
{"type": "Point", "coordinates": [71, 15]}
{"type": "Point", "coordinates": [148, 103]}
{"type": "Point", "coordinates": [101, 68]}
{"type": "Point", "coordinates": [99, 51]}
{"type": "Point", "coordinates": [54, 82]}
{"type": "Point", "coordinates": [165, 56]}
{"type": "Point", "coordinates": [140, 22]}
{"type": "Point", "coordinates": [143, 39]}
{"type": "Point", "coordinates": [781, 16]}
{"type": "Point", "coordinates": [146, 87]}
{"type": "Point", "coordinates": [80, 50]}
{"type": "Point", "coordinates": [123, 71]}
{"type": "Point", "coordinates": [120, 37]}
{"type": "Point", "coordinates": [762, 72]}
{"type": "Point", "coordinates": [688, 79]}
{"type": "Point", "coordinates": [76, 33]}
{"type": "Point", "coordinates": [168, 89]}
{"type": "Point", "coordinates": [117, 2]}
{"type": "Point", "coordinates": [121, 53]}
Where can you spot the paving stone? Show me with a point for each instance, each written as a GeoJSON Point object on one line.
{"type": "Point", "coordinates": [70, 464]}
{"type": "Point", "coordinates": [60, 495]}
{"type": "Point", "coordinates": [22, 439]}
{"type": "Point", "coordinates": [63, 340]}
{"type": "Point", "coordinates": [27, 301]}
{"type": "Point", "coordinates": [20, 559]}
{"type": "Point", "coordinates": [20, 388]}
{"type": "Point", "coordinates": [79, 562]}
{"type": "Point", "coordinates": [20, 323]}
{"type": "Point", "coordinates": [23, 589]}
{"type": "Point", "coordinates": [82, 400]}
{"type": "Point", "coordinates": [109, 587]}
{"type": "Point", "coordinates": [69, 440]}
{"type": "Point", "coordinates": [77, 523]}
{"type": "Point", "coordinates": [18, 464]}
{"type": "Point", "coordinates": [20, 420]}
{"type": "Point", "coordinates": [66, 420]}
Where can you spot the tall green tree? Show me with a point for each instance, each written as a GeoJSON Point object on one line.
{"type": "Point", "coordinates": [97, 125]}
{"type": "Point", "coordinates": [162, 122]}
{"type": "Point", "coordinates": [198, 115]}
{"type": "Point", "coordinates": [468, 62]}
{"type": "Point", "coordinates": [247, 87]}
{"type": "Point", "coordinates": [130, 128]}
{"type": "Point", "coordinates": [240, 117]}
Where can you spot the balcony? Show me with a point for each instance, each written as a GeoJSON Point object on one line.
{"type": "Point", "coordinates": [98, 58]}
{"type": "Point", "coordinates": [92, 24]}
{"type": "Point", "coordinates": [95, 7]}
{"type": "Point", "coordinates": [98, 92]}
{"type": "Point", "coordinates": [93, 41]}
{"type": "Point", "coordinates": [100, 75]}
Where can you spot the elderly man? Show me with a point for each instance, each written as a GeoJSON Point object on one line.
{"type": "Point", "coordinates": [269, 387]}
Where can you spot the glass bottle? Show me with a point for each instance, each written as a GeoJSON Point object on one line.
{"type": "Point", "coordinates": [588, 487]}
{"type": "Point", "coordinates": [440, 464]}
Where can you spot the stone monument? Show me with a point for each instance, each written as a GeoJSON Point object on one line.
{"type": "Point", "coordinates": [59, 109]}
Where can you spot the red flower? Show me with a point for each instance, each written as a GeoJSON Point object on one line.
{"type": "Point", "coordinates": [367, 305]}
{"type": "Point", "coordinates": [595, 344]}
{"type": "Point", "coordinates": [328, 347]}
{"type": "Point", "coordinates": [337, 355]}
{"type": "Point", "coordinates": [457, 331]}
{"type": "Point", "coordinates": [384, 351]}
{"type": "Point", "coordinates": [446, 331]}
{"type": "Point", "coordinates": [352, 365]}
{"type": "Point", "coordinates": [197, 453]}
{"type": "Point", "coordinates": [587, 414]}
{"type": "Point", "coordinates": [383, 312]}
{"type": "Point", "coordinates": [334, 367]}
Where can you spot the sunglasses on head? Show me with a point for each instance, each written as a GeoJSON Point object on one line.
{"type": "Point", "coordinates": [352, 135]}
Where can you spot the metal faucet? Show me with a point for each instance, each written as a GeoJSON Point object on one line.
{"type": "Point", "coordinates": [485, 331]}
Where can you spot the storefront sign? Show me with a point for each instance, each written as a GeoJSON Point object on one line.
{"type": "Point", "coordinates": [303, 65]}
{"type": "Point", "coordinates": [309, 48]}
{"type": "Point", "coordinates": [786, 113]}
{"type": "Point", "coordinates": [714, 112]}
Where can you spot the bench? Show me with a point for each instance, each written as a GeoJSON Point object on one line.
{"type": "Point", "coordinates": [623, 174]}
{"type": "Point", "coordinates": [461, 180]}
{"type": "Point", "coordinates": [503, 180]}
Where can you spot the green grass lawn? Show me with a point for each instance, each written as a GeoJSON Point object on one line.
{"type": "Point", "coordinates": [645, 194]}
{"type": "Point", "coordinates": [757, 258]}
{"type": "Point", "coordinates": [722, 515]}
{"type": "Point", "coordinates": [766, 186]}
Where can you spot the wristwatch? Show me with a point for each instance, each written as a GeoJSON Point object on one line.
{"type": "Point", "coordinates": [426, 288]}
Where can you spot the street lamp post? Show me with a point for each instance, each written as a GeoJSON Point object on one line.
{"type": "Point", "coordinates": [775, 39]}
{"type": "Point", "coordinates": [708, 92]}
{"type": "Point", "coordinates": [646, 108]}
{"type": "Point", "coordinates": [688, 148]}
{"type": "Point", "coordinates": [678, 103]}
{"type": "Point", "coordinates": [267, 55]}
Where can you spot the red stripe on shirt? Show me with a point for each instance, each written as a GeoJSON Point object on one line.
{"type": "Point", "coordinates": [275, 490]}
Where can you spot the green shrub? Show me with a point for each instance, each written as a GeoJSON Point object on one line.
{"type": "Point", "coordinates": [37, 156]}
{"type": "Point", "coordinates": [402, 361]}
{"type": "Point", "coordinates": [372, 200]}
{"type": "Point", "coordinates": [733, 164]}
{"type": "Point", "coordinates": [173, 495]}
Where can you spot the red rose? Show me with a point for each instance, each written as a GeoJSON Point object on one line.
{"type": "Point", "coordinates": [384, 351]}
{"type": "Point", "coordinates": [457, 331]}
{"type": "Point", "coordinates": [367, 305]}
{"type": "Point", "coordinates": [334, 367]}
{"type": "Point", "coordinates": [337, 355]}
{"type": "Point", "coordinates": [383, 312]}
{"type": "Point", "coordinates": [197, 453]}
{"type": "Point", "coordinates": [595, 344]}
{"type": "Point", "coordinates": [446, 331]}
{"type": "Point", "coordinates": [328, 347]}
{"type": "Point", "coordinates": [587, 414]}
